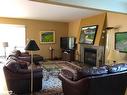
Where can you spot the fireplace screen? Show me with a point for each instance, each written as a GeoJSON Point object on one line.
{"type": "Point", "coordinates": [90, 56]}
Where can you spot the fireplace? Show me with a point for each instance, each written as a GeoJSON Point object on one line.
{"type": "Point", "coordinates": [92, 55]}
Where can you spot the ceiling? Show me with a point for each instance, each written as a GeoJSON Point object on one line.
{"type": "Point", "coordinates": [58, 10]}
{"type": "Point", "coordinates": [27, 9]}
{"type": "Point", "coordinates": [112, 5]}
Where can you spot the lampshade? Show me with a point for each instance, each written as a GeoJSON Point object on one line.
{"type": "Point", "coordinates": [5, 44]}
{"type": "Point", "coordinates": [32, 46]}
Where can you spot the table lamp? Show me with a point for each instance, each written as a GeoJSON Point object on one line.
{"type": "Point", "coordinates": [5, 44]}
{"type": "Point", "coordinates": [32, 46]}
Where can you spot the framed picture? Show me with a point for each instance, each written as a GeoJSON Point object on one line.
{"type": "Point", "coordinates": [121, 41]}
{"type": "Point", "coordinates": [47, 37]}
{"type": "Point", "coordinates": [88, 34]}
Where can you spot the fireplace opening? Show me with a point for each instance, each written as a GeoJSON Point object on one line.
{"type": "Point", "coordinates": [93, 56]}
{"type": "Point", "coordinates": [90, 56]}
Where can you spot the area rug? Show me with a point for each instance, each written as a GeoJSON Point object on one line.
{"type": "Point", "coordinates": [52, 84]}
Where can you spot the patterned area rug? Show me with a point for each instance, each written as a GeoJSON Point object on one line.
{"type": "Point", "coordinates": [51, 83]}
{"type": "Point", "coordinates": [52, 86]}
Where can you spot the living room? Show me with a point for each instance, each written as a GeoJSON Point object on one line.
{"type": "Point", "coordinates": [108, 24]}
{"type": "Point", "coordinates": [68, 29]}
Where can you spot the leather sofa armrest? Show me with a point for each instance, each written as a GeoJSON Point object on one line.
{"type": "Point", "coordinates": [38, 70]}
{"type": "Point", "coordinates": [22, 74]}
{"type": "Point", "coordinates": [11, 56]}
{"type": "Point", "coordinates": [25, 76]}
{"type": "Point", "coordinates": [27, 71]}
{"type": "Point", "coordinates": [78, 87]}
{"type": "Point", "coordinates": [69, 73]}
{"type": "Point", "coordinates": [73, 83]}
{"type": "Point", "coordinates": [24, 71]}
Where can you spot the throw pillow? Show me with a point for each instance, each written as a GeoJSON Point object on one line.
{"type": "Point", "coordinates": [117, 68]}
{"type": "Point", "coordinates": [18, 53]}
{"type": "Point", "coordinates": [92, 71]}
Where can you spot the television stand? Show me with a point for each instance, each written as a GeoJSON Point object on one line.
{"type": "Point", "coordinates": [68, 55]}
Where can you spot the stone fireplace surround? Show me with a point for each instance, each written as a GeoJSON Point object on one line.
{"type": "Point", "coordinates": [91, 55]}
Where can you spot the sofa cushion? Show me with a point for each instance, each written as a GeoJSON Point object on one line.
{"type": "Point", "coordinates": [117, 68]}
{"type": "Point", "coordinates": [92, 71]}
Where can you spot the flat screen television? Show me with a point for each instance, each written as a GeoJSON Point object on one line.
{"type": "Point", "coordinates": [88, 34]}
{"type": "Point", "coordinates": [67, 42]}
{"type": "Point", "coordinates": [121, 41]}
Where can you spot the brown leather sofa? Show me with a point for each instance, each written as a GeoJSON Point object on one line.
{"type": "Point", "coordinates": [107, 80]}
{"type": "Point", "coordinates": [18, 77]}
{"type": "Point", "coordinates": [25, 56]}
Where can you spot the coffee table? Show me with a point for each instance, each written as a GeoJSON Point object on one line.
{"type": "Point", "coordinates": [51, 70]}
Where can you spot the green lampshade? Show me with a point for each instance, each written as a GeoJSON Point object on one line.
{"type": "Point", "coordinates": [32, 46]}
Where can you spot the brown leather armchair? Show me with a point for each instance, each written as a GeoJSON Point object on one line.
{"type": "Point", "coordinates": [18, 77]}
{"type": "Point", "coordinates": [112, 83]}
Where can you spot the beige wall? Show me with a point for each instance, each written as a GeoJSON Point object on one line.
{"type": "Point", "coordinates": [74, 28]}
{"type": "Point", "coordinates": [33, 28]}
{"type": "Point", "coordinates": [73, 31]}
{"type": "Point", "coordinates": [116, 20]}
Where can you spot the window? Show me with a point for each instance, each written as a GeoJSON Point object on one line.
{"type": "Point", "coordinates": [14, 35]}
